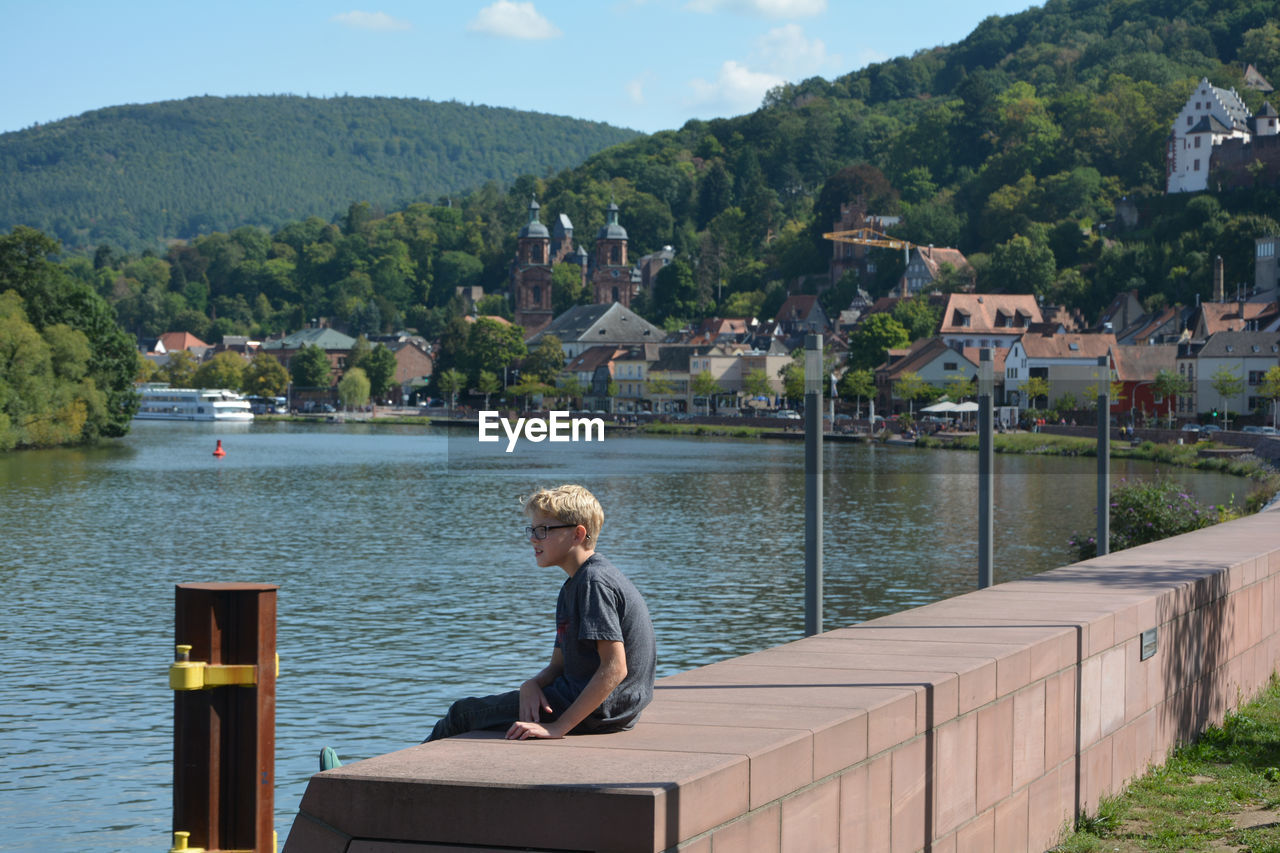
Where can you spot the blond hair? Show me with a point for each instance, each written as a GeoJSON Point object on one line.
{"type": "Point", "coordinates": [571, 504]}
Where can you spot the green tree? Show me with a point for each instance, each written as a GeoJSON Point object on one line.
{"type": "Point", "coordinates": [872, 339]}
{"type": "Point", "coordinates": [1033, 389]}
{"type": "Point", "coordinates": [572, 389]}
{"type": "Point", "coordinates": [856, 384]}
{"type": "Point", "coordinates": [353, 389]}
{"type": "Point", "coordinates": [545, 361]}
{"type": "Point", "coordinates": [179, 370]}
{"type": "Point", "coordinates": [756, 383]}
{"type": "Point", "coordinates": [49, 297]}
{"type": "Point", "coordinates": [1169, 384]}
{"type": "Point", "coordinates": [959, 387]}
{"type": "Point", "coordinates": [488, 384]}
{"type": "Point", "coordinates": [224, 370]}
{"type": "Point", "coordinates": [705, 385]}
{"type": "Point", "coordinates": [918, 317]}
{"type": "Point", "coordinates": [1019, 265]}
{"type": "Point", "coordinates": [1270, 390]}
{"type": "Point", "coordinates": [380, 367]}
{"type": "Point", "coordinates": [912, 387]}
{"type": "Point", "coordinates": [792, 376]}
{"type": "Point", "coordinates": [265, 377]}
{"type": "Point", "coordinates": [1228, 385]}
{"type": "Point", "coordinates": [310, 368]}
{"type": "Point", "coordinates": [492, 345]}
{"type": "Point", "coordinates": [450, 382]}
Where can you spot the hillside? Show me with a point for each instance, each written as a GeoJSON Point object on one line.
{"type": "Point", "coordinates": [134, 175]}
{"type": "Point", "coordinates": [1015, 145]}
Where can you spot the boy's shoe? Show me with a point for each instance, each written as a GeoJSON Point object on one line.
{"type": "Point", "coordinates": [329, 759]}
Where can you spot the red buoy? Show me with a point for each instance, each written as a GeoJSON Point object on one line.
{"type": "Point", "coordinates": [218, 451]}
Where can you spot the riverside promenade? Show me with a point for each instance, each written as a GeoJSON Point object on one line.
{"type": "Point", "coordinates": [981, 722]}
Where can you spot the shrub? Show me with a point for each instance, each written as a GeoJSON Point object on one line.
{"type": "Point", "coordinates": [1147, 511]}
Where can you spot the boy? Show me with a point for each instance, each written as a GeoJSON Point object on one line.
{"type": "Point", "coordinates": [601, 672]}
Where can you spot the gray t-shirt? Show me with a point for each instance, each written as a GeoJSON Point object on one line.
{"type": "Point", "coordinates": [600, 603]}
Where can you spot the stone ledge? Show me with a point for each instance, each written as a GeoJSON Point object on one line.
{"type": "Point", "coordinates": [956, 721]}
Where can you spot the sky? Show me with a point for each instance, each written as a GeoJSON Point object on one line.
{"type": "Point", "coordinates": [649, 65]}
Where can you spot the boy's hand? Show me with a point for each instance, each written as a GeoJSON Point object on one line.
{"type": "Point", "coordinates": [522, 730]}
{"type": "Point", "coordinates": [533, 702]}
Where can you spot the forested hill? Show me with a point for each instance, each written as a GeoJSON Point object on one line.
{"type": "Point", "coordinates": [133, 175]}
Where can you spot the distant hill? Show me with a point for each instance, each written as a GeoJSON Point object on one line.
{"type": "Point", "coordinates": [135, 175]}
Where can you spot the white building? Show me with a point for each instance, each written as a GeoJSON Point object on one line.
{"type": "Point", "coordinates": [1210, 116]}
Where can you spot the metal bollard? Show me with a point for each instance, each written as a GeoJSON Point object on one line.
{"type": "Point", "coordinates": [224, 717]}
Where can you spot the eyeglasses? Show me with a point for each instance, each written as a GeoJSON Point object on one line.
{"type": "Point", "coordinates": [540, 532]}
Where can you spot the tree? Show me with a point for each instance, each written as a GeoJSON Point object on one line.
{"type": "Point", "coordinates": [792, 376]}
{"type": "Point", "coordinates": [380, 367]}
{"type": "Point", "coordinates": [450, 382]}
{"type": "Point", "coordinates": [265, 377]}
{"type": "Point", "coordinates": [857, 384]}
{"type": "Point", "coordinates": [918, 317]}
{"type": "Point", "coordinates": [756, 384]}
{"type": "Point", "coordinates": [1018, 266]}
{"type": "Point", "coordinates": [1169, 385]}
{"type": "Point", "coordinates": [353, 389]}
{"type": "Point", "coordinates": [488, 383]}
{"type": "Point", "coordinates": [1033, 389]}
{"type": "Point", "coordinates": [911, 387]}
{"type": "Point", "coordinates": [224, 370]}
{"type": "Point", "coordinates": [873, 337]}
{"type": "Point", "coordinates": [49, 297]}
{"type": "Point", "coordinates": [492, 345]}
{"type": "Point", "coordinates": [705, 385]}
{"type": "Point", "coordinates": [571, 388]}
{"type": "Point", "coordinates": [959, 387]}
{"type": "Point", "coordinates": [310, 368]}
{"type": "Point", "coordinates": [1270, 390]}
{"type": "Point", "coordinates": [1228, 386]}
{"type": "Point", "coordinates": [179, 369]}
{"type": "Point", "coordinates": [545, 360]}
{"type": "Point", "coordinates": [658, 384]}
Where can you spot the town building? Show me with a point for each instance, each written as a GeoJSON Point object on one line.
{"type": "Point", "coordinates": [931, 359]}
{"type": "Point", "coordinates": [1216, 140]}
{"type": "Point", "coordinates": [1245, 355]}
{"type": "Point", "coordinates": [925, 265]}
{"type": "Point", "coordinates": [609, 324]}
{"type": "Point", "coordinates": [992, 320]}
{"type": "Point", "coordinates": [851, 257]}
{"type": "Point", "coordinates": [1069, 363]}
{"type": "Point", "coordinates": [608, 272]}
{"type": "Point", "coordinates": [335, 344]}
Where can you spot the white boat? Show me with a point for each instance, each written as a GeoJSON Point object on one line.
{"type": "Point", "coordinates": [162, 403]}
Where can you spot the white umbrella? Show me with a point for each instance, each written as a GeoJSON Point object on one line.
{"type": "Point", "coordinates": [944, 406]}
{"type": "Point", "coordinates": [965, 407]}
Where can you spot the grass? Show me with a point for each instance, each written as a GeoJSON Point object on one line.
{"type": "Point", "coordinates": [657, 428]}
{"type": "Point", "coordinates": [1220, 793]}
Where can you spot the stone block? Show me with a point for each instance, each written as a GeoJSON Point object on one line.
{"type": "Point", "coordinates": [995, 753]}
{"type": "Point", "coordinates": [955, 779]}
{"type": "Point", "coordinates": [866, 798]}
{"type": "Point", "coordinates": [1028, 734]}
{"type": "Point", "coordinates": [910, 776]}
{"type": "Point", "coordinates": [811, 820]}
{"type": "Point", "coordinates": [1011, 823]}
{"type": "Point", "coordinates": [758, 832]}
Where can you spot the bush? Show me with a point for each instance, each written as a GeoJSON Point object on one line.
{"type": "Point", "coordinates": [1147, 511]}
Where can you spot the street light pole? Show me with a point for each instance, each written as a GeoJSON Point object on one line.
{"type": "Point", "coordinates": [812, 485]}
{"type": "Point", "coordinates": [986, 462]}
{"type": "Point", "coordinates": [1104, 455]}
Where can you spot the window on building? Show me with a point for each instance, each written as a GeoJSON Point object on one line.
{"type": "Point", "coordinates": [1197, 142]}
{"type": "Point", "coordinates": [950, 365]}
{"type": "Point", "coordinates": [1195, 166]}
{"type": "Point", "coordinates": [1255, 377]}
{"type": "Point", "coordinates": [537, 296]}
{"type": "Point", "coordinates": [615, 255]}
{"type": "Point", "coordinates": [1188, 121]}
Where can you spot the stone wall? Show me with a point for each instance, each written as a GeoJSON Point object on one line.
{"type": "Point", "coordinates": [982, 722]}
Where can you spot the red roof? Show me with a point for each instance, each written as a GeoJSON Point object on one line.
{"type": "Point", "coordinates": [174, 341]}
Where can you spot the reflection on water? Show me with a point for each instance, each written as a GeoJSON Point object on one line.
{"type": "Point", "coordinates": [405, 582]}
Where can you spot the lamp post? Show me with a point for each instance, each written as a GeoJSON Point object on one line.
{"type": "Point", "coordinates": [812, 485]}
{"type": "Point", "coordinates": [1104, 455]}
{"type": "Point", "coordinates": [986, 461]}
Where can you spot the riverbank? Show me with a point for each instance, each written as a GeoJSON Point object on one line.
{"type": "Point", "coordinates": [1220, 793]}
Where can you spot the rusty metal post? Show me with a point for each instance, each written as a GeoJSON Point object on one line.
{"type": "Point", "coordinates": [224, 715]}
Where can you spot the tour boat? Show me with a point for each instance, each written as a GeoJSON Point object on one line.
{"type": "Point", "coordinates": [162, 403]}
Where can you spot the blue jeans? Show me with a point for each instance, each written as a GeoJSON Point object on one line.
{"type": "Point", "coordinates": [486, 712]}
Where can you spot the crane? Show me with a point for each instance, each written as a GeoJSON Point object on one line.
{"type": "Point", "coordinates": [875, 239]}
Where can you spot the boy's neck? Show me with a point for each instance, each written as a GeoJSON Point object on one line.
{"type": "Point", "coordinates": [574, 560]}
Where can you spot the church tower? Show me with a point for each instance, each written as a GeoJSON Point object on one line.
{"type": "Point", "coordinates": [612, 277]}
{"type": "Point", "coordinates": [531, 274]}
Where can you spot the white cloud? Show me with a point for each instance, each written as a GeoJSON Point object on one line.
{"type": "Point", "coordinates": [736, 89]}
{"type": "Point", "coordinates": [787, 52]}
{"type": "Point", "coordinates": [371, 21]}
{"type": "Point", "coordinates": [767, 8]}
{"type": "Point", "coordinates": [635, 88]}
{"type": "Point", "coordinates": [513, 20]}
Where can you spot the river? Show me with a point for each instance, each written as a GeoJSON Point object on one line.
{"type": "Point", "coordinates": [405, 580]}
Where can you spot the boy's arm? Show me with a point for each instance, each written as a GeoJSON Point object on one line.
{"type": "Point", "coordinates": [612, 669]}
{"type": "Point", "coordinates": [532, 700]}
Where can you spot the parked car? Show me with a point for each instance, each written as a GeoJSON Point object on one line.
{"type": "Point", "coordinates": [788, 414]}
{"type": "Point", "coordinates": [1265, 430]}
